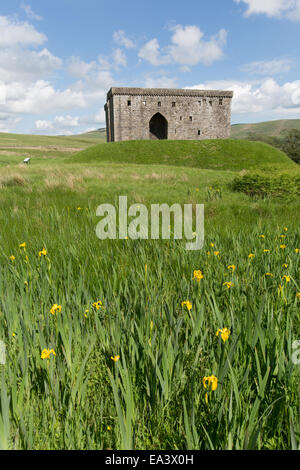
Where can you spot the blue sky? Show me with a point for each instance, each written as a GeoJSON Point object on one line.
{"type": "Point", "coordinates": [58, 59]}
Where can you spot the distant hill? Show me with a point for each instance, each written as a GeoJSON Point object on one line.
{"type": "Point", "coordinates": [97, 134]}
{"type": "Point", "coordinates": [268, 128]}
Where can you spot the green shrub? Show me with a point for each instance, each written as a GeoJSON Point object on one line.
{"type": "Point", "coordinates": [259, 185]}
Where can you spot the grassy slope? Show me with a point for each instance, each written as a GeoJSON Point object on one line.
{"type": "Point", "coordinates": [211, 154]}
{"type": "Point", "coordinates": [271, 128]}
{"type": "Point", "coordinates": [15, 147]}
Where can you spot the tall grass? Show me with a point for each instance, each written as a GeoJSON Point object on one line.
{"type": "Point", "coordinates": [153, 396]}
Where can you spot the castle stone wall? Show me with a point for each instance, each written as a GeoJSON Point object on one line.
{"type": "Point", "coordinates": [190, 114]}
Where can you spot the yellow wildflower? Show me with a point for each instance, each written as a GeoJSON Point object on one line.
{"type": "Point", "coordinates": [187, 303]}
{"type": "Point", "coordinates": [56, 308]}
{"type": "Point", "coordinates": [22, 245]}
{"type": "Point", "coordinates": [282, 247]}
{"type": "Point", "coordinates": [198, 275]}
{"type": "Point", "coordinates": [109, 428]}
{"type": "Point", "coordinates": [211, 245]}
{"type": "Point", "coordinates": [216, 253]}
{"type": "Point", "coordinates": [211, 382]}
{"type": "Point", "coordinates": [285, 229]}
{"type": "Point", "coordinates": [297, 250]}
{"type": "Point", "coordinates": [285, 265]}
{"type": "Point", "coordinates": [251, 256]}
{"type": "Point", "coordinates": [12, 258]}
{"type": "Point", "coordinates": [266, 251]}
{"type": "Point", "coordinates": [269, 274]}
{"type": "Point", "coordinates": [228, 284]}
{"type": "Point", "coordinates": [225, 333]}
{"type": "Point", "coordinates": [115, 358]}
{"type": "Point", "coordinates": [262, 236]}
{"type": "Point", "coordinates": [232, 267]}
{"type": "Point", "coordinates": [298, 295]}
{"type": "Point", "coordinates": [287, 278]}
{"type": "Point", "coordinates": [97, 305]}
{"type": "Point", "coordinates": [43, 252]}
{"type": "Point", "coordinates": [46, 353]}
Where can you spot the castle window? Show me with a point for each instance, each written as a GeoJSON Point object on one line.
{"type": "Point", "coordinates": [199, 102]}
{"type": "Point", "coordinates": [220, 101]}
{"type": "Point", "coordinates": [180, 118]}
{"type": "Point", "coordinates": [199, 132]}
{"type": "Point", "coordinates": [128, 103]}
{"type": "Point", "coordinates": [191, 118]}
{"type": "Point", "coordinates": [159, 104]}
{"type": "Point", "coordinates": [173, 104]}
{"type": "Point", "coordinates": [210, 102]}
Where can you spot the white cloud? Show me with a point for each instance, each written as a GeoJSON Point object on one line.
{"type": "Point", "coordinates": [41, 97]}
{"type": "Point", "coordinates": [119, 58]}
{"type": "Point", "coordinates": [160, 82]}
{"type": "Point", "coordinates": [19, 33]}
{"type": "Point", "coordinates": [80, 69]}
{"type": "Point", "coordinates": [151, 52]}
{"type": "Point", "coordinates": [26, 88]}
{"type": "Point", "coordinates": [264, 97]}
{"type": "Point", "coordinates": [273, 8]}
{"type": "Point", "coordinates": [188, 47]}
{"type": "Point", "coordinates": [8, 122]}
{"type": "Point", "coordinates": [67, 125]}
{"type": "Point", "coordinates": [122, 40]}
{"type": "Point", "coordinates": [271, 67]}
{"type": "Point", "coordinates": [22, 64]}
{"type": "Point", "coordinates": [43, 125]}
{"type": "Point", "coordinates": [30, 13]}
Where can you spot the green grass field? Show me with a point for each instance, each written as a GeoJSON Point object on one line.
{"type": "Point", "coordinates": [152, 394]}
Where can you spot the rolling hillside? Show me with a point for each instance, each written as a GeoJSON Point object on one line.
{"type": "Point", "coordinates": [269, 128]}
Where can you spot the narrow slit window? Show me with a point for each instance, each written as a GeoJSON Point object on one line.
{"type": "Point", "coordinates": [129, 103]}
{"type": "Point", "coordinates": [159, 104]}
{"type": "Point", "coordinates": [199, 132]}
{"type": "Point", "coordinates": [210, 102]}
{"type": "Point", "coordinates": [173, 104]}
{"type": "Point", "coordinates": [191, 118]}
{"type": "Point", "coordinates": [220, 101]}
{"type": "Point", "coordinates": [180, 118]}
{"type": "Point", "coordinates": [200, 102]}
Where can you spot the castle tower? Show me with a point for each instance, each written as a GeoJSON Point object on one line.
{"type": "Point", "coordinates": [161, 113]}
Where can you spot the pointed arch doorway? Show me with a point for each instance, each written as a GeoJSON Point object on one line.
{"type": "Point", "coordinates": [158, 127]}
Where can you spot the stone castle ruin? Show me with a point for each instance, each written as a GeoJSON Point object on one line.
{"type": "Point", "coordinates": [161, 113]}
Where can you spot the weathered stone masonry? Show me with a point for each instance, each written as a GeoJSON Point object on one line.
{"type": "Point", "coordinates": [160, 113]}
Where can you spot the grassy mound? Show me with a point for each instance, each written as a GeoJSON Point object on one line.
{"type": "Point", "coordinates": [226, 154]}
